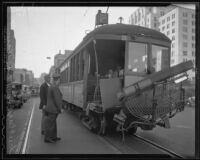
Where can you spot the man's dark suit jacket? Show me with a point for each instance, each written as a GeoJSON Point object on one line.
{"type": "Point", "coordinates": [43, 94]}
{"type": "Point", "coordinates": [54, 100]}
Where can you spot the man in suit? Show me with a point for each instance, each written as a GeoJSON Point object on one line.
{"type": "Point", "coordinates": [43, 99]}
{"type": "Point", "coordinates": [52, 109]}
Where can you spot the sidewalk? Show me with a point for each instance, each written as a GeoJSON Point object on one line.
{"type": "Point", "coordinates": [75, 137]}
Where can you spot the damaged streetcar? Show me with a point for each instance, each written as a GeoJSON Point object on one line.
{"type": "Point", "coordinates": [119, 78]}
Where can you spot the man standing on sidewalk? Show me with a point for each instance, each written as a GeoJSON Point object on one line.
{"type": "Point", "coordinates": [52, 109]}
{"type": "Point", "coordinates": [43, 99]}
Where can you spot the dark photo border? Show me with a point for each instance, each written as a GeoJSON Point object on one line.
{"type": "Point", "coordinates": [35, 3]}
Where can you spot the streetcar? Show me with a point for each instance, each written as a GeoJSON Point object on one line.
{"type": "Point", "coordinates": [119, 78]}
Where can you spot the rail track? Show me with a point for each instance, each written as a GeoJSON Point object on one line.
{"type": "Point", "coordinates": [136, 144]}
{"type": "Point", "coordinates": [115, 141]}
{"type": "Point", "coordinates": [171, 153]}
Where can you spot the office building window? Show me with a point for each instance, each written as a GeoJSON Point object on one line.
{"type": "Point", "coordinates": [184, 14]}
{"type": "Point", "coordinates": [193, 23]}
{"type": "Point", "coordinates": [184, 53]}
{"type": "Point", "coordinates": [193, 46]}
{"type": "Point", "coordinates": [163, 28]}
{"type": "Point", "coordinates": [193, 37]}
{"type": "Point", "coordinates": [185, 36]}
{"type": "Point", "coordinates": [168, 19]}
{"type": "Point", "coordinates": [173, 44]}
{"type": "Point", "coordinates": [184, 44]}
{"type": "Point", "coordinates": [185, 21]}
{"type": "Point", "coordinates": [173, 23]}
{"type": "Point", "coordinates": [155, 25]}
{"type": "Point", "coordinates": [162, 13]}
{"type": "Point", "coordinates": [173, 30]}
{"type": "Point", "coordinates": [173, 16]}
{"type": "Point", "coordinates": [173, 37]}
{"type": "Point", "coordinates": [184, 59]}
{"type": "Point", "coordinates": [193, 54]}
{"type": "Point", "coordinates": [168, 26]}
{"type": "Point", "coordinates": [168, 32]}
{"type": "Point", "coordinates": [193, 16]}
{"type": "Point", "coordinates": [193, 30]}
{"type": "Point", "coordinates": [172, 53]}
{"type": "Point", "coordinates": [184, 29]}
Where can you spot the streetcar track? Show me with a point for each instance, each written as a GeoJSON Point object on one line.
{"type": "Point", "coordinates": [116, 147]}
{"type": "Point", "coordinates": [158, 146]}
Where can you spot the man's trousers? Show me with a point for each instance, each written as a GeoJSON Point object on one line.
{"type": "Point", "coordinates": [50, 126]}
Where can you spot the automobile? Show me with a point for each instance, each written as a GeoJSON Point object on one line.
{"type": "Point", "coordinates": [15, 99]}
{"type": "Point", "coordinates": [25, 93]}
{"type": "Point", "coordinates": [35, 91]}
{"type": "Point", "coordinates": [191, 101]}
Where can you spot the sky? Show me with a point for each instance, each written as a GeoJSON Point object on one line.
{"type": "Point", "coordinates": [40, 32]}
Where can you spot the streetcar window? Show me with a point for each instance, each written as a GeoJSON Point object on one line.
{"type": "Point", "coordinates": [81, 66]}
{"type": "Point", "coordinates": [137, 57]}
{"type": "Point", "coordinates": [160, 58]}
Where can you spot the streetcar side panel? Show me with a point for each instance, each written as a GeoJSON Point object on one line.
{"type": "Point", "coordinates": [67, 92]}
{"type": "Point", "coordinates": [78, 94]}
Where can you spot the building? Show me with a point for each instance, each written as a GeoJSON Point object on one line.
{"type": "Point", "coordinates": [59, 58]}
{"type": "Point", "coordinates": [23, 76]}
{"type": "Point", "coordinates": [148, 16]}
{"type": "Point", "coordinates": [175, 22]}
{"type": "Point", "coordinates": [10, 48]}
{"type": "Point", "coordinates": [179, 25]}
{"type": "Point", "coordinates": [29, 78]}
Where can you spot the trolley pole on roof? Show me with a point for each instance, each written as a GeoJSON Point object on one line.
{"type": "Point", "coordinates": [107, 10]}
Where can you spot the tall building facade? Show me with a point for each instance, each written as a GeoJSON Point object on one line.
{"type": "Point", "coordinates": [179, 25]}
{"type": "Point", "coordinates": [11, 43]}
{"type": "Point", "coordinates": [148, 16]}
{"type": "Point", "coordinates": [175, 22]}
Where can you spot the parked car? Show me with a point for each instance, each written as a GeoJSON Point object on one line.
{"type": "Point", "coordinates": [25, 93]}
{"type": "Point", "coordinates": [15, 99]}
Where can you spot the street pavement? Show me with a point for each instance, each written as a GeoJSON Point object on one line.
{"type": "Point", "coordinates": [16, 125]}
{"type": "Point", "coordinates": [75, 138]}
{"type": "Point", "coordinates": [180, 138]}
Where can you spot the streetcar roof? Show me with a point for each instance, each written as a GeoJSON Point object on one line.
{"type": "Point", "coordinates": [121, 29]}
{"type": "Point", "coordinates": [126, 29]}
